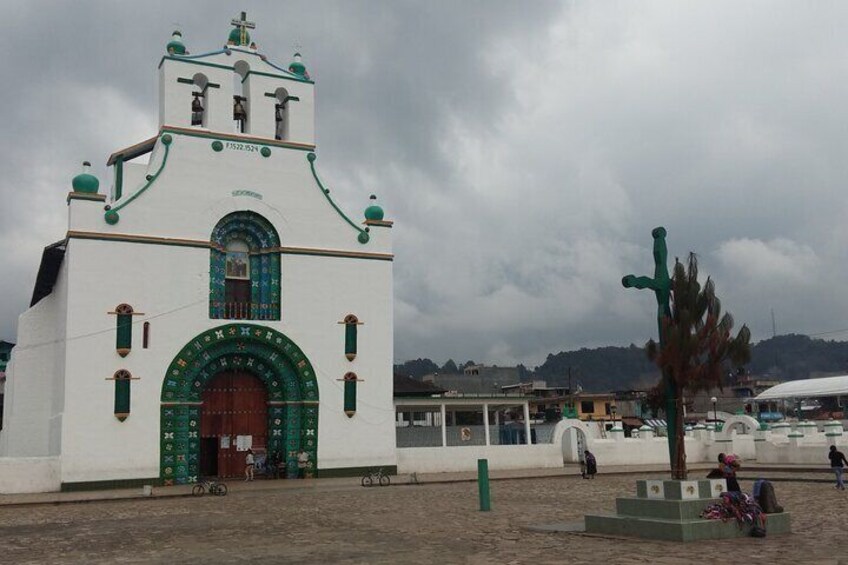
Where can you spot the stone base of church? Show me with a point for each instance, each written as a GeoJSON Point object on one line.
{"type": "Point", "coordinates": [110, 484]}
{"type": "Point", "coordinates": [20, 475]}
{"type": "Point", "coordinates": [353, 471]}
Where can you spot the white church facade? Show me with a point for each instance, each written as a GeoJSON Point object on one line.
{"type": "Point", "coordinates": [217, 299]}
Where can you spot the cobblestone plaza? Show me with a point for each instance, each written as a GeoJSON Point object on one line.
{"type": "Point", "coordinates": [337, 521]}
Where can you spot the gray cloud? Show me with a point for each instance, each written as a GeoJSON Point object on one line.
{"type": "Point", "coordinates": [524, 150]}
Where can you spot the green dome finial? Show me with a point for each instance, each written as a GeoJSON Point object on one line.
{"type": "Point", "coordinates": [238, 35]}
{"type": "Point", "coordinates": [235, 38]}
{"type": "Point", "coordinates": [176, 45]}
{"type": "Point", "coordinates": [297, 66]}
{"type": "Point", "coordinates": [374, 212]}
{"type": "Point", "coordinates": [85, 181]}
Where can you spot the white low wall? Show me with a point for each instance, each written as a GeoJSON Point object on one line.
{"type": "Point", "coordinates": [29, 474]}
{"type": "Point", "coordinates": [464, 458]}
{"type": "Point", "coordinates": [646, 451]}
{"type": "Point", "coordinates": [809, 450]}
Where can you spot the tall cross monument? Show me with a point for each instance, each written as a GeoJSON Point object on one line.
{"type": "Point", "coordinates": [661, 285]}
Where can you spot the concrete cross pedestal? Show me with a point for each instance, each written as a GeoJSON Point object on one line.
{"type": "Point", "coordinates": [671, 510]}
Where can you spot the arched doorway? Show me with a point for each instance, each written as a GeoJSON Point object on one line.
{"type": "Point", "coordinates": [270, 356]}
{"type": "Point", "coordinates": [233, 418]}
{"type": "Point", "coordinates": [573, 445]}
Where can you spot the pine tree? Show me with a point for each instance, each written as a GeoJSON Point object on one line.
{"type": "Point", "coordinates": [698, 345]}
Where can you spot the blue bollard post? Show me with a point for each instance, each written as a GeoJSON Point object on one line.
{"type": "Point", "coordinates": [483, 484]}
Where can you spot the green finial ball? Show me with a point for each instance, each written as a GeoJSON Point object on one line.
{"type": "Point", "coordinates": [167, 139]}
{"type": "Point", "coordinates": [363, 237]}
{"type": "Point", "coordinates": [217, 146]}
{"type": "Point", "coordinates": [85, 181]}
{"type": "Point", "coordinates": [311, 157]}
{"type": "Point", "coordinates": [176, 45]}
{"type": "Point", "coordinates": [265, 151]}
{"type": "Point", "coordinates": [297, 67]}
{"type": "Point", "coordinates": [374, 212]}
{"type": "Point", "coordinates": [112, 217]}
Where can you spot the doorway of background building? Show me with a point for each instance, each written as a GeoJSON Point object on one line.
{"type": "Point", "coordinates": [233, 418]}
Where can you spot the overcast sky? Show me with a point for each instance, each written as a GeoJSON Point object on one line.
{"type": "Point", "coordinates": [525, 150]}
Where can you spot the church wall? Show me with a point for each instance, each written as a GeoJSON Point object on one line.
{"type": "Point", "coordinates": [196, 189]}
{"type": "Point", "coordinates": [29, 474]}
{"type": "Point", "coordinates": [301, 112]}
{"type": "Point", "coordinates": [317, 294]}
{"type": "Point", "coordinates": [170, 283]}
{"type": "Point", "coordinates": [167, 283]}
{"type": "Point", "coordinates": [33, 399]}
{"type": "Point", "coordinates": [175, 97]}
{"type": "Point", "coordinates": [133, 176]}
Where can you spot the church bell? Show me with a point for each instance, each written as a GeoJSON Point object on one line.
{"type": "Point", "coordinates": [196, 110]}
{"type": "Point", "coordinates": [239, 113]}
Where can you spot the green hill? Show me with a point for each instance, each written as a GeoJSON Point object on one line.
{"type": "Point", "coordinates": [785, 357]}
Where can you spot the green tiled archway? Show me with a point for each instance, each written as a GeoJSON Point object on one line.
{"type": "Point", "coordinates": [261, 351]}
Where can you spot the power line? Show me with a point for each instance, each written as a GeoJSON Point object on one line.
{"type": "Point", "coordinates": [842, 331]}
{"type": "Point", "coordinates": [110, 329]}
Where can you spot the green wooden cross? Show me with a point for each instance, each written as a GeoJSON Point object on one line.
{"type": "Point", "coordinates": [661, 285]}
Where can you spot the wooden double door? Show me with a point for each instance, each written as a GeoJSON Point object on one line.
{"type": "Point", "coordinates": [234, 415]}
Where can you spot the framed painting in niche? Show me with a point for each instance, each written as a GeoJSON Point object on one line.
{"type": "Point", "coordinates": [238, 265]}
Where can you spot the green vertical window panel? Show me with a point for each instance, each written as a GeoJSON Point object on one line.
{"type": "Point", "coordinates": [119, 178]}
{"type": "Point", "coordinates": [124, 339]}
{"type": "Point", "coordinates": [122, 398]}
{"type": "Point", "coordinates": [350, 340]}
{"type": "Point", "coordinates": [350, 395]}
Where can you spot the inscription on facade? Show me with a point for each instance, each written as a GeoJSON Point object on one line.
{"type": "Point", "coordinates": [247, 193]}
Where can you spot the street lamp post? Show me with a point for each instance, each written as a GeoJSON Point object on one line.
{"type": "Point", "coordinates": [714, 400]}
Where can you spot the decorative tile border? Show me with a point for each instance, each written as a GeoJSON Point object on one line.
{"type": "Point", "coordinates": [261, 351]}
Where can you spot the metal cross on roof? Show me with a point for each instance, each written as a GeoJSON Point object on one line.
{"type": "Point", "coordinates": [243, 25]}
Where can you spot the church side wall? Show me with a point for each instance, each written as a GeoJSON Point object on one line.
{"type": "Point", "coordinates": [29, 474]}
{"type": "Point", "coordinates": [33, 400]}
{"type": "Point", "coordinates": [170, 286]}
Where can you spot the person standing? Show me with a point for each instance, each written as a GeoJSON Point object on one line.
{"type": "Point", "coordinates": [730, 465]}
{"type": "Point", "coordinates": [248, 465]}
{"type": "Point", "coordinates": [302, 463]}
{"type": "Point", "coordinates": [837, 462]}
{"type": "Point", "coordinates": [591, 465]}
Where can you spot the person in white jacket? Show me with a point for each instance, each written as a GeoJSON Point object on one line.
{"type": "Point", "coordinates": [248, 465]}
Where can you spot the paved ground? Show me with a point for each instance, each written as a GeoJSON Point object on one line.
{"type": "Point", "coordinates": [338, 521]}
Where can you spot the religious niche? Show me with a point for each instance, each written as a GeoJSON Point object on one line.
{"type": "Point", "coordinates": [350, 323]}
{"type": "Point", "coordinates": [124, 323]}
{"type": "Point", "coordinates": [244, 275]}
{"type": "Point", "coordinates": [122, 380]}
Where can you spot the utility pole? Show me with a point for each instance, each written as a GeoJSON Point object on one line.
{"type": "Point", "coordinates": [773, 325]}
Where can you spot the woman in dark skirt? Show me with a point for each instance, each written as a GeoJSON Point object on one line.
{"type": "Point", "coordinates": [591, 465]}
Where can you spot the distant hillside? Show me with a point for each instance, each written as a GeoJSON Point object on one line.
{"type": "Point", "coordinates": [785, 357]}
{"type": "Point", "coordinates": [601, 369]}
{"type": "Point", "coordinates": [792, 357]}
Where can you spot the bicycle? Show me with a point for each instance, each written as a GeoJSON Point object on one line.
{"type": "Point", "coordinates": [375, 475]}
{"type": "Point", "coordinates": [210, 486]}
